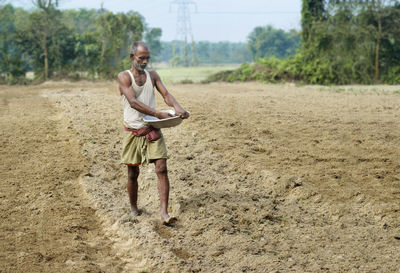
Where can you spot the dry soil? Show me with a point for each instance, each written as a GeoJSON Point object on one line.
{"type": "Point", "coordinates": [264, 178]}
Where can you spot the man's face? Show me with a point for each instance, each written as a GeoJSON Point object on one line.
{"type": "Point", "coordinates": [141, 58]}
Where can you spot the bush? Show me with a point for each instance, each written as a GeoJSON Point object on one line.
{"type": "Point", "coordinates": [270, 70]}
{"type": "Point", "coordinates": [393, 76]}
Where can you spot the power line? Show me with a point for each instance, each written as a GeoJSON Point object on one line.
{"type": "Point", "coordinates": [247, 12]}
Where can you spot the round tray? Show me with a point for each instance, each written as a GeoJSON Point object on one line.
{"type": "Point", "coordinates": [163, 123]}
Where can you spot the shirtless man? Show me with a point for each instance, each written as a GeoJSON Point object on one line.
{"type": "Point", "coordinates": [136, 88]}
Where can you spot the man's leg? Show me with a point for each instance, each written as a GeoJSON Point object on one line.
{"type": "Point", "coordinates": [133, 174]}
{"type": "Point", "coordinates": [163, 188]}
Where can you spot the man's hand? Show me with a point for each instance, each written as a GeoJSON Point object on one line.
{"type": "Point", "coordinates": [182, 113]}
{"type": "Point", "coordinates": [163, 115]}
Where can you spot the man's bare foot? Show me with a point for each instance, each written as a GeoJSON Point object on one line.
{"type": "Point", "coordinates": [135, 212]}
{"type": "Point", "coordinates": [168, 220]}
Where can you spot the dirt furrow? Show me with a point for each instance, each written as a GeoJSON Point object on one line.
{"type": "Point", "coordinates": [47, 224]}
{"type": "Point", "coordinates": [264, 178]}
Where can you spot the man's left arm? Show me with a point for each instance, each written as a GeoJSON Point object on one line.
{"type": "Point", "coordinates": [167, 96]}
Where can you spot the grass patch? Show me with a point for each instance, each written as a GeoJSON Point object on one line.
{"type": "Point", "coordinates": [190, 74]}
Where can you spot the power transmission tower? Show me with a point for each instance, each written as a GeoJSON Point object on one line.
{"type": "Point", "coordinates": [184, 30]}
{"type": "Point", "coordinates": [183, 25]}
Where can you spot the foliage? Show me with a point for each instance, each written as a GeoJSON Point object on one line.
{"type": "Point", "coordinates": [312, 11]}
{"type": "Point", "coordinates": [343, 42]}
{"type": "Point", "coordinates": [152, 39]}
{"type": "Point", "coordinates": [117, 31]}
{"type": "Point", "coordinates": [12, 68]}
{"type": "Point", "coordinates": [82, 20]}
{"type": "Point", "coordinates": [393, 76]}
{"type": "Point", "coordinates": [87, 48]}
{"type": "Point", "coordinates": [271, 70]}
{"type": "Point", "coordinates": [352, 42]}
{"type": "Point", "coordinates": [265, 42]}
{"type": "Point", "coordinates": [190, 74]}
{"type": "Point", "coordinates": [205, 52]}
{"type": "Point", "coordinates": [37, 37]}
{"type": "Point", "coordinates": [71, 43]}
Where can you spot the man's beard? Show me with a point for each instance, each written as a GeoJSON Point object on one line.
{"type": "Point", "coordinates": [139, 67]}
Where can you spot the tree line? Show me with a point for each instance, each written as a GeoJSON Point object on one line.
{"type": "Point", "coordinates": [180, 53]}
{"type": "Point", "coordinates": [342, 42]}
{"type": "Point", "coordinates": [263, 41]}
{"type": "Point", "coordinates": [71, 43]}
{"type": "Point", "coordinates": [95, 43]}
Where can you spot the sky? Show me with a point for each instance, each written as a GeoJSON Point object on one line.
{"type": "Point", "coordinates": [211, 20]}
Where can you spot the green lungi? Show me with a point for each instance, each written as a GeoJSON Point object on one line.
{"type": "Point", "coordinates": [137, 150]}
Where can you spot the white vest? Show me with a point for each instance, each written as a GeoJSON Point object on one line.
{"type": "Point", "coordinates": [145, 94]}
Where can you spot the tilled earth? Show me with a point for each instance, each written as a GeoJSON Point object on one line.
{"type": "Point", "coordinates": [47, 224]}
{"type": "Point", "coordinates": [264, 178]}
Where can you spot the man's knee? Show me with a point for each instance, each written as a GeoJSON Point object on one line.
{"type": "Point", "coordinates": [133, 173]}
{"type": "Point", "coordinates": [161, 167]}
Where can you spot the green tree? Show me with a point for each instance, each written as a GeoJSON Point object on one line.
{"type": "Point", "coordinates": [312, 11]}
{"type": "Point", "coordinates": [152, 39]}
{"type": "Point", "coordinates": [207, 52]}
{"type": "Point", "coordinates": [264, 42]}
{"type": "Point", "coordinates": [343, 42]}
{"type": "Point", "coordinates": [351, 42]}
{"type": "Point", "coordinates": [47, 12]}
{"type": "Point", "coordinates": [87, 50]}
{"type": "Point", "coordinates": [118, 31]}
{"type": "Point", "coordinates": [185, 57]}
{"type": "Point", "coordinates": [12, 65]}
{"type": "Point", "coordinates": [382, 17]}
{"type": "Point", "coordinates": [47, 42]}
{"type": "Point", "coordinates": [82, 20]}
{"type": "Point", "coordinates": [175, 60]}
{"type": "Point", "coordinates": [195, 60]}
{"type": "Point", "coordinates": [88, 39]}
{"type": "Point", "coordinates": [390, 54]}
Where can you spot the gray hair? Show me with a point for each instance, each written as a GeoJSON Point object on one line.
{"type": "Point", "coordinates": [136, 45]}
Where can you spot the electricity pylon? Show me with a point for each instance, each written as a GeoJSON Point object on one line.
{"type": "Point", "coordinates": [183, 23]}
{"type": "Point", "coordinates": [184, 29]}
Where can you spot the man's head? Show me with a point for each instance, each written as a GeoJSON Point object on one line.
{"type": "Point", "coordinates": [140, 55]}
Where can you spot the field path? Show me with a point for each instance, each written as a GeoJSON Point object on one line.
{"type": "Point", "coordinates": [47, 225]}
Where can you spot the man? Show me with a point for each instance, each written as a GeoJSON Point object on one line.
{"type": "Point", "coordinates": [136, 88]}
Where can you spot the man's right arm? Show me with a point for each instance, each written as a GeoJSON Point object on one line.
{"type": "Point", "coordinates": [125, 88]}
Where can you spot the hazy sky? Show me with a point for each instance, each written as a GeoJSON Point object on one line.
{"type": "Point", "coordinates": [215, 20]}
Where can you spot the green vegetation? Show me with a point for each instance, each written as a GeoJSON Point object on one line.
{"type": "Point", "coordinates": [271, 70]}
{"type": "Point", "coordinates": [267, 42]}
{"type": "Point", "coordinates": [75, 44]}
{"type": "Point", "coordinates": [190, 74]}
{"type": "Point", "coordinates": [343, 42]}
{"type": "Point", "coordinates": [205, 52]}
{"type": "Point", "coordinates": [263, 42]}
{"type": "Point", "coordinates": [11, 65]}
{"type": "Point", "coordinates": [68, 44]}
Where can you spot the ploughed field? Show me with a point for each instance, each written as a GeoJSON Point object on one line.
{"type": "Point", "coordinates": [264, 178]}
